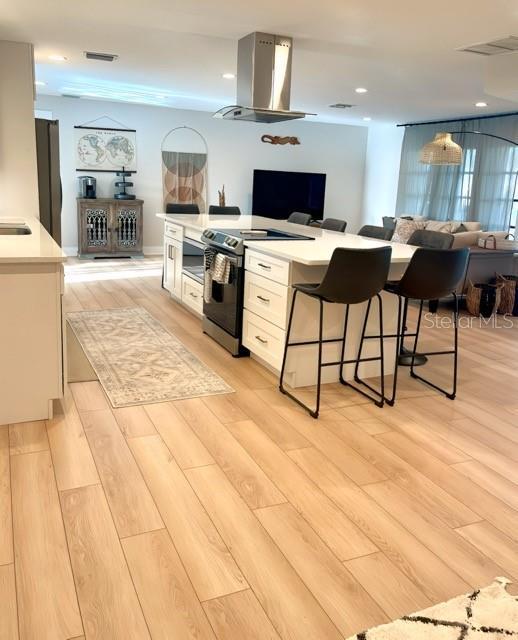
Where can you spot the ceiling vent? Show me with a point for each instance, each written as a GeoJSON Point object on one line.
{"type": "Point", "coordinates": [341, 105]}
{"type": "Point", "coordinates": [69, 95]}
{"type": "Point", "coordinates": [104, 57]}
{"type": "Point", "coordinates": [493, 48]}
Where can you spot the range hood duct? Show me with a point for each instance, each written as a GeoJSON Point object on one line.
{"type": "Point", "coordinates": [263, 80]}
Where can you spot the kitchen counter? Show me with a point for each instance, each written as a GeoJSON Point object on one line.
{"type": "Point", "coordinates": [37, 246]}
{"type": "Point", "coordinates": [313, 253]}
{"type": "Point", "coordinates": [271, 268]}
{"type": "Point", "coordinates": [31, 324]}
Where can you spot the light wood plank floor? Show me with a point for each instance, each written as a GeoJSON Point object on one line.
{"type": "Point", "coordinates": [238, 517]}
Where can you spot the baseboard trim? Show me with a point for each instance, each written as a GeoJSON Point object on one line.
{"type": "Point", "coordinates": [148, 251]}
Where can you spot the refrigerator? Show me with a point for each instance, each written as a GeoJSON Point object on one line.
{"type": "Point", "coordinates": [49, 179]}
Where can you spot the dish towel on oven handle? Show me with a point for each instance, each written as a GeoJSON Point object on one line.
{"type": "Point", "coordinates": [217, 269]}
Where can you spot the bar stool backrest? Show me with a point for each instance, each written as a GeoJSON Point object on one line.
{"type": "Point", "coordinates": [215, 210]}
{"type": "Point", "coordinates": [355, 275]}
{"type": "Point", "coordinates": [379, 233]}
{"type": "Point", "coordinates": [433, 273]}
{"type": "Point", "coordinates": [298, 217]}
{"type": "Point", "coordinates": [182, 208]}
{"type": "Point", "coordinates": [431, 239]}
{"type": "Point", "coordinates": [334, 224]}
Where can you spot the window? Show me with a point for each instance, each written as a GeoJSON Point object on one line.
{"type": "Point", "coordinates": [463, 199]}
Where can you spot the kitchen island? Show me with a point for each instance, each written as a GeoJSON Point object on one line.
{"type": "Point", "coordinates": [271, 268]}
{"type": "Point", "coordinates": [31, 325]}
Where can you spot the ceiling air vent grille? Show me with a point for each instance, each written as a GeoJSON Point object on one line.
{"type": "Point", "coordinates": [341, 105]}
{"type": "Point", "coordinates": [493, 48]}
{"type": "Point", "coordinates": [104, 57]}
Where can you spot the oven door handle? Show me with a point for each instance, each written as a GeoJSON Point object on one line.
{"type": "Point", "coordinates": [233, 260]}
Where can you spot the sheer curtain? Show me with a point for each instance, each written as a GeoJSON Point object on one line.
{"type": "Point", "coordinates": [480, 189]}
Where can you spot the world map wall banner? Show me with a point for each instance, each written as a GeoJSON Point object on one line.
{"type": "Point", "coordinates": [102, 149]}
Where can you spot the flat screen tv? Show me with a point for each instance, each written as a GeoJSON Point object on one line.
{"type": "Point", "coordinates": [276, 194]}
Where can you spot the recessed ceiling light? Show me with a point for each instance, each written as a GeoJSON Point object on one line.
{"type": "Point", "coordinates": [228, 76]}
{"type": "Point", "coordinates": [39, 83]}
{"type": "Point", "coordinates": [361, 90]}
{"type": "Point", "coordinates": [480, 104]}
{"type": "Point", "coordinates": [367, 119]}
{"type": "Point", "coordinates": [57, 58]}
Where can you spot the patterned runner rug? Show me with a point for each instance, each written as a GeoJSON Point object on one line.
{"type": "Point", "coordinates": [490, 613]}
{"type": "Point", "coordinates": [138, 361]}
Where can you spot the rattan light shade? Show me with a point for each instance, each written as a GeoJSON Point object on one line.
{"type": "Point", "coordinates": [442, 150]}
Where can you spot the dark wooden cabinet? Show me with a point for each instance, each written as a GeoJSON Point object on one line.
{"type": "Point", "coordinates": [107, 226]}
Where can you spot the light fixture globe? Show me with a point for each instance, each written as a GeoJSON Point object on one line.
{"type": "Point", "coordinates": [442, 150]}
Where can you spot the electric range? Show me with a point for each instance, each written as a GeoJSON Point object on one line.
{"type": "Point", "coordinates": [223, 301]}
{"type": "Point", "coordinates": [233, 240]}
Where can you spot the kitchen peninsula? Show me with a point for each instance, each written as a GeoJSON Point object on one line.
{"type": "Point", "coordinates": [271, 268]}
{"type": "Point", "coordinates": [31, 326]}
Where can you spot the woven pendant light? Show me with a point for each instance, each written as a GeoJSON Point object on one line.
{"type": "Point", "coordinates": [442, 150]}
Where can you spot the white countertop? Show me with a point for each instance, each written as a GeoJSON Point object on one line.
{"type": "Point", "coordinates": [315, 252]}
{"type": "Point", "coordinates": [37, 246]}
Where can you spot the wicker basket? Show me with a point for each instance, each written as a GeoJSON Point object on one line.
{"type": "Point", "coordinates": [483, 299]}
{"type": "Point", "coordinates": [508, 300]}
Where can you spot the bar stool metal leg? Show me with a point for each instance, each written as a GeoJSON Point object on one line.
{"type": "Point", "coordinates": [286, 344]}
{"type": "Point", "coordinates": [313, 413]}
{"type": "Point", "coordinates": [451, 395]}
{"type": "Point", "coordinates": [379, 396]}
{"type": "Point", "coordinates": [400, 333]}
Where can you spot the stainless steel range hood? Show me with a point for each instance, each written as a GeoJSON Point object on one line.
{"type": "Point", "coordinates": [263, 80]}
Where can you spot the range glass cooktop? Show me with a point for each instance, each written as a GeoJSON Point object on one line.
{"type": "Point", "coordinates": [233, 239]}
{"type": "Point", "coordinates": [263, 234]}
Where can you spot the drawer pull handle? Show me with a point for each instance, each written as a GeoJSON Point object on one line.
{"type": "Point", "coordinates": [261, 339]}
{"type": "Point", "coordinates": [193, 294]}
{"type": "Point", "coordinates": [264, 266]}
{"type": "Point", "coordinates": [267, 300]}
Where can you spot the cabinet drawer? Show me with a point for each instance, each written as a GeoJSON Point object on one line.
{"type": "Point", "coordinates": [192, 294]}
{"type": "Point", "coordinates": [263, 338]}
{"type": "Point", "coordinates": [267, 266]}
{"type": "Point", "coordinates": [266, 298]}
{"type": "Point", "coordinates": [173, 231]}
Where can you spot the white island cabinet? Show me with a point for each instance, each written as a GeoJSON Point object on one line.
{"type": "Point", "coordinates": [272, 267]}
{"type": "Point", "coordinates": [31, 322]}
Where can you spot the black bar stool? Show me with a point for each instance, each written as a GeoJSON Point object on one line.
{"type": "Point", "coordinates": [215, 210]}
{"type": "Point", "coordinates": [177, 208]}
{"type": "Point", "coordinates": [377, 233]}
{"type": "Point", "coordinates": [353, 276]}
{"type": "Point", "coordinates": [428, 240]}
{"type": "Point", "coordinates": [334, 224]}
{"type": "Point", "coordinates": [430, 275]}
{"type": "Point", "coordinates": [299, 218]}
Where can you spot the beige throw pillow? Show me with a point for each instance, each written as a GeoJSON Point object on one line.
{"type": "Point", "coordinates": [443, 226]}
{"type": "Point", "coordinates": [472, 226]}
{"type": "Point", "coordinates": [405, 228]}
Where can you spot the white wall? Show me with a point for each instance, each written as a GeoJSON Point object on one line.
{"type": "Point", "coordinates": [381, 172]}
{"type": "Point", "coordinates": [18, 169]}
{"type": "Point", "coordinates": [234, 149]}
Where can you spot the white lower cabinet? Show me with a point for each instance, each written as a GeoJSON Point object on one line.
{"type": "Point", "coordinates": [263, 338]}
{"type": "Point", "coordinates": [192, 294]}
{"type": "Point", "coordinates": [173, 267]}
{"type": "Point", "coordinates": [266, 298]}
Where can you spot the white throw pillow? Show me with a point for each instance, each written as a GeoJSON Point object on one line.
{"type": "Point", "coordinates": [472, 226]}
{"type": "Point", "coordinates": [443, 226]}
{"type": "Point", "coordinates": [405, 228]}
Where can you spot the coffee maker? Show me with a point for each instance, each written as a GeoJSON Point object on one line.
{"type": "Point", "coordinates": [87, 187]}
